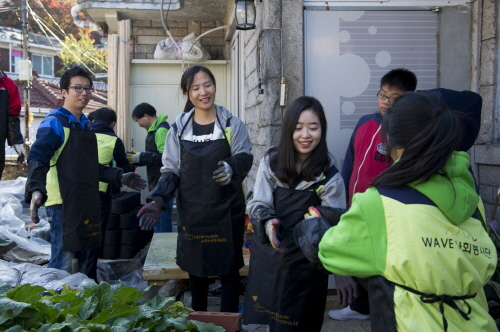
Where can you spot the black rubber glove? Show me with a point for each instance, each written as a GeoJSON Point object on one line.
{"type": "Point", "coordinates": [148, 216]}
{"type": "Point", "coordinates": [111, 175]}
{"type": "Point", "coordinates": [347, 289]}
{"type": "Point", "coordinates": [133, 181]}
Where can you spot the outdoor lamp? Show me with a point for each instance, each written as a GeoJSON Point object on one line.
{"type": "Point", "coordinates": [245, 14]}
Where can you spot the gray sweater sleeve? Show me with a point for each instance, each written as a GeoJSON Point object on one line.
{"type": "Point", "coordinates": [333, 193]}
{"type": "Point", "coordinates": [171, 153]}
{"type": "Point", "coordinates": [240, 141]}
{"type": "Point", "coordinates": [261, 206]}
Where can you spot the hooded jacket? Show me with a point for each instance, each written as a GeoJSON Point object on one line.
{"type": "Point", "coordinates": [14, 135]}
{"type": "Point", "coordinates": [235, 132]}
{"type": "Point", "coordinates": [155, 144]}
{"type": "Point", "coordinates": [428, 238]}
{"type": "Point", "coordinates": [366, 158]}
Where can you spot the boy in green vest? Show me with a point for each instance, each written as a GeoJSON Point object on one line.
{"type": "Point", "coordinates": [157, 127]}
{"type": "Point", "coordinates": [111, 150]}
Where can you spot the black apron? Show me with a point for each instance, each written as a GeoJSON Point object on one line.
{"type": "Point", "coordinates": [153, 170]}
{"type": "Point", "coordinates": [78, 175]}
{"type": "Point", "coordinates": [286, 291]}
{"type": "Point", "coordinates": [211, 216]}
{"type": "Point", "coordinates": [4, 113]}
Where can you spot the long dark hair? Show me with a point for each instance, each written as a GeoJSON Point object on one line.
{"type": "Point", "coordinates": [187, 80]}
{"type": "Point", "coordinates": [283, 161]}
{"type": "Point", "coordinates": [422, 124]}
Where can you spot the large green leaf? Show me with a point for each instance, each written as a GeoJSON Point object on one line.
{"type": "Point", "coordinates": [103, 294]}
{"type": "Point", "coordinates": [26, 318]}
{"type": "Point", "coordinates": [46, 311]}
{"type": "Point", "coordinates": [158, 302]}
{"type": "Point", "coordinates": [4, 288]}
{"type": "Point", "coordinates": [15, 329]}
{"type": "Point", "coordinates": [116, 310]}
{"type": "Point", "coordinates": [127, 295]}
{"type": "Point", "coordinates": [207, 327]}
{"type": "Point", "coordinates": [118, 329]}
{"type": "Point", "coordinates": [87, 309]}
{"type": "Point", "coordinates": [10, 309]}
{"type": "Point", "coordinates": [26, 293]}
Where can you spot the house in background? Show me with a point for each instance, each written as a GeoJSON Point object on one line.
{"type": "Point", "coordinates": [334, 50]}
{"type": "Point", "coordinates": [43, 52]}
{"type": "Point", "coordinates": [46, 95]}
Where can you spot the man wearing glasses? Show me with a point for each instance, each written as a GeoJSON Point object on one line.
{"type": "Point", "coordinates": [366, 158]}
{"type": "Point", "coordinates": [64, 174]}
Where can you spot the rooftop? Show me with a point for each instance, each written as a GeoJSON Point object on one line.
{"type": "Point", "coordinates": [46, 94]}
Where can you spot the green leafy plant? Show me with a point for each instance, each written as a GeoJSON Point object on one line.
{"type": "Point", "coordinates": [96, 308]}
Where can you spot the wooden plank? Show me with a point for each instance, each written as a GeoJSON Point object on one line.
{"type": "Point", "coordinates": [160, 261]}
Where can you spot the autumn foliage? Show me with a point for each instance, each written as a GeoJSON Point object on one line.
{"type": "Point", "coordinates": [59, 10]}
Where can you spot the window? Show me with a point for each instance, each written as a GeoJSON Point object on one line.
{"type": "Point", "coordinates": [15, 57]}
{"type": "Point", "coordinates": [43, 64]}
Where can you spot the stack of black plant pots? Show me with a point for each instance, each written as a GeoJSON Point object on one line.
{"type": "Point", "coordinates": [123, 238]}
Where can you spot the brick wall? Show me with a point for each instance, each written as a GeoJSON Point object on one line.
{"type": "Point", "coordinates": [147, 34]}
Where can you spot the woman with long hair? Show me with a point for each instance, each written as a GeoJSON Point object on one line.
{"type": "Point", "coordinates": [417, 233]}
{"type": "Point", "coordinates": [285, 291]}
{"type": "Point", "coordinates": [207, 155]}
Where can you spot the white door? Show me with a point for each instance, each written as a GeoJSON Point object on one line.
{"type": "Point", "coordinates": [157, 82]}
{"type": "Point", "coordinates": [346, 54]}
{"type": "Point", "coordinates": [237, 76]}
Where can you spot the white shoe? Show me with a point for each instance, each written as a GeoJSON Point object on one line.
{"type": "Point", "coordinates": [347, 314]}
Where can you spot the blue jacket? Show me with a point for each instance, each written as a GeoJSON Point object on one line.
{"type": "Point", "coordinates": [50, 135]}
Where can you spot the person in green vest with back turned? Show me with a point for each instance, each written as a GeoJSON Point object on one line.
{"type": "Point", "coordinates": [157, 127]}
{"type": "Point", "coordinates": [419, 233]}
{"type": "Point", "coordinates": [111, 153]}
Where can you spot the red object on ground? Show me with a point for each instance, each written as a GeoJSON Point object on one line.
{"type": "Point", "coordinates": [228, 320]}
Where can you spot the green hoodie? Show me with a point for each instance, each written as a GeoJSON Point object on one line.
{"type": "Point", "coordinates": [429, 239]}
{"type": "Point", "coordinates": [161, 134]}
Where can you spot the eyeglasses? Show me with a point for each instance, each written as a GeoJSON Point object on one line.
{"type": "Point", "coordinates": [79, 89]}
{"type": "Point", "coordinates": [384, 97]}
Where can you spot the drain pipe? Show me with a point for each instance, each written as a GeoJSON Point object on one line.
{"type": "Point", "coordinates": [75, 10]}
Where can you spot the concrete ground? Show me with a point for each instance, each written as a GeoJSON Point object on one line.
{"type": "Point", "coordinates": [329, 325]}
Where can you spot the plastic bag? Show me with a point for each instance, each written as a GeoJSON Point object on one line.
{"type": "Point", "coordinates": [11, 211]}
{"type": "Point", "coordinates": [25, 273]}
{"type": "Point", "coordinates": [166, 50]}
{"type": "Point", "coordinates": [15, 187]}
{"type": "Point", "coordinates": [33, 250]}
{"type": "Point", "coordinates": [126, 271]}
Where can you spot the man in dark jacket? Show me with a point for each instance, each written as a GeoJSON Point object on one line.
{"type": "Point", "coordinates": [64, 173]}
{"type": "Point", "coordinates": [157, 127]}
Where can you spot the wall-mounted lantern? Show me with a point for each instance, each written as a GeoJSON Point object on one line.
{"type": "Point", "coordinates": [245, 14]}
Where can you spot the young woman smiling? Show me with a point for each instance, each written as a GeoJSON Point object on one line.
{"type": "Point", "coordinates": [207, 155]}
{"type": "Point", "coordinates": [284, 290]}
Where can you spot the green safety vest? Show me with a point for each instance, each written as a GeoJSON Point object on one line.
{"type": "Point", "coordinates": [53, 192]}
{"type": "Point", "coordinates": [426, 254]}
{"type": "Point", "coordinates": [105, 148]}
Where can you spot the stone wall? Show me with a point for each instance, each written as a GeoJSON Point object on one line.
{"type": "Point", "coordinates": [486, 152]}
{"type": "Point", "coordinates": [263, 114]}
{"type": "Point", "coordinates": [147, 34]}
